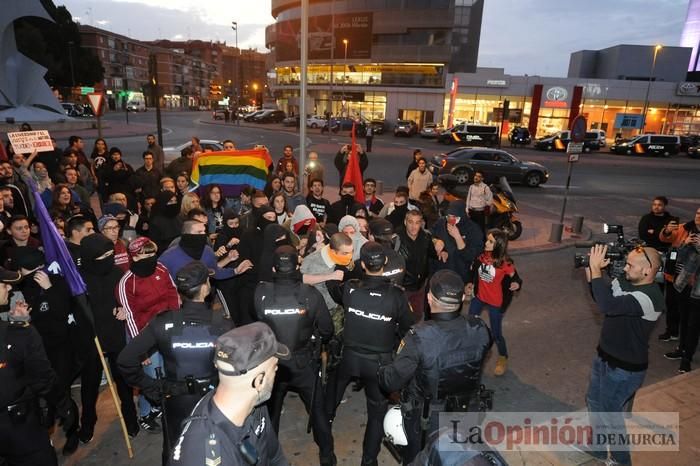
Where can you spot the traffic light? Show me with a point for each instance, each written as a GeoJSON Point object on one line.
{"type": "Point", "coordinates": [215, 90]}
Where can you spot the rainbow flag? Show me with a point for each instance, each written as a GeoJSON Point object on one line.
{"type": "Point", "coordinates": [232, 170]}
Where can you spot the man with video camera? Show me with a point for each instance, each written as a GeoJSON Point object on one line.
{"type": "Point", "coordinates": [631, 306]}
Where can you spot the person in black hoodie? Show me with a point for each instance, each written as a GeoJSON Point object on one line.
{"type": "Point", "coordinates": [165, 225]}
{"type": "Point", "coordinates": [230, 234]}
{"type": "Point", "coordinates": [250, 248]}
{"type": "Point", "coordinates": [48, 297]}
{"type": "Point", "coordinates": [347, 205]}
{"type": "Point", "coordinates": [274, 236]}
{"type": "Point", "coordinates": [101, 277]}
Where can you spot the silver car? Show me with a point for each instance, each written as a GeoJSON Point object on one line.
{"type": "Point", "coordinates": [432, 130]}
{"type": "Point", "coordinates": [171, 153]}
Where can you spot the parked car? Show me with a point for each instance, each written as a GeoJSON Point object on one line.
{"type": "Point", "coordinates": [458, 166]}
{"type": "Point", "coordinates": [377, 126]}
{"type": "Point", "coordinates": [559, 141]}
{"type": "Point", "coordinates": [519, 136]}
{"type": "Point", "coordinates": [694, 152]}
{"type": "Point", "coordinates": [688, 141]}
{"type": "Point", "coordinates": [339, 124]}
{"type": "Point", "coordinates": [87, 111]}
{"type": "Point", "coordinates": [171, 153]}
{"type": "Point", "coordinates": [270, 116]}
{"type": "Point", "coordinates": [405, 128]}
{"type": "Point", "coordinates": [249, 117]}
{"type": "Point", "coordinates": [470, 134]}
{"type": "Point", "coordinates": [600, 136]}
{"type": "Point", "coordinates": [654, 144]}
{"type": "Point", "coordinates": [431, 130]}
{"type": "Point", "coordinates": [292, 121]}
{"type": "Point", "coordinates": [316, 121]}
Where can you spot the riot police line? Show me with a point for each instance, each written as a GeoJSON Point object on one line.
{"type": "Point", "coordinates": [376, 344]}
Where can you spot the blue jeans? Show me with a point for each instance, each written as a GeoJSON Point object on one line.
{"type": "Point", "coordinates": [150, 370]}
{"type": "Point", "coordinates": [609, 391]}
{"type": "Point", "coordinates": [495, 321]}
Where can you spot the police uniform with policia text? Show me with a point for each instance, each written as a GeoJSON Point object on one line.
{"type": "Point", "coordinates": [186, 339]}
{"type": "Point", "coordinates": [26, 375]}
{"type": "Point", "coordinates": [209, 437]}
{"type": "Point", "coordinates": [438, 362]}
{"type": "Point", "coordinates": [376, 316]}
{"type": "Point", "coordinates": [295, 312]}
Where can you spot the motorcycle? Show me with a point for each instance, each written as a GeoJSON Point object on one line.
{"type": "Point", "coordinates": [503, 210]}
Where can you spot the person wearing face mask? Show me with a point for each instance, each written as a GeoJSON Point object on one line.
{"type": "Point", "coordinates": [230, 234]}
{"type": "Point", "coordinates": [230, 425]}
{"type": "Point", "coordinates": [49, 299]}
{"type": "Point", "coordinates": [146, 290]}
{"type": "Point", "coordinates": [101, 279]}
{"type": "Point", "coordinates": [274, 236]}
{"type": "Point", "coordinates": [347, 205]}
{"type": "Point", "coordinates": [165, 224]}
{"type": "Point", "coordinates": [194, 246]}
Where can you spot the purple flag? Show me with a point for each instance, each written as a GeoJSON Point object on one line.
{"type": "Point", "coordinates": [58, 259]}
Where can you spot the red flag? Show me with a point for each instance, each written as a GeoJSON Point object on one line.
{"type": "Point", "coordinates": [352, 171]}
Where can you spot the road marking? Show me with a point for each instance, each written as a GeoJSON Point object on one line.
{"type": "Point", "coordinates": [558, 186]}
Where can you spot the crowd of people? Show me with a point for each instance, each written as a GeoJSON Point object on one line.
{"type": "Point", "coordinates": [212, 308]}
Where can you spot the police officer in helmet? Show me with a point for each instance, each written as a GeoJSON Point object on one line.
{"type": "Point", "coordinates": [186, 339]}
{"type": "Point", "coordinates": [26, 375]}
{"type": "Point", "coordinates": [439, 362]}
{"type": "Point", "coordinates": [296, 312]}
{"type": "Point", "coordinates": [375, 312]}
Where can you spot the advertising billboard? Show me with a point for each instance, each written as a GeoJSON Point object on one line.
{"type": "Point", "coordinates": [325, 36]}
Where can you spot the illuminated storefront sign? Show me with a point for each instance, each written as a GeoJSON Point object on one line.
{"type": "Point", "coordinates": [556, 97]}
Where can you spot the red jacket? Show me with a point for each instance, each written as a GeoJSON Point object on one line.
{"type": "Point", "coordinates": [121, 256]}
{"type": "Point", "coordinates": [145, 297]}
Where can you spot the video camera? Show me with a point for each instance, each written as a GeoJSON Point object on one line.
{"type": "Point", "coordinates": [617, 251]}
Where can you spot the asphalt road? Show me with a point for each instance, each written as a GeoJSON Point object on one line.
{"type": "Point", "coordinates": [551, 329]}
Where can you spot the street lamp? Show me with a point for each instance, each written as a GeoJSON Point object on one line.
{"type": "Point", "coordinates": [234, 26]}
{"type": "Point", "coordinates": [345, 64]}
{"type": "Point", "coordinates": [657, 49]}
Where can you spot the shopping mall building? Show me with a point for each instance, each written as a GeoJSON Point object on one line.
{"type": "Point", "coordinates": [401, 59]}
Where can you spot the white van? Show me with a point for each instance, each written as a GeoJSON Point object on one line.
{"type": "Point", "coordinates": [601, 135]}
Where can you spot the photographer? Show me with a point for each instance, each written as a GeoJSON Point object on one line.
{"type": "Point", "coordinates": [631, 306]}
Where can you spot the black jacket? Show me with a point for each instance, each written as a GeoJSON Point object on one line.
{"type": "Point", "coordinates": [102, 300]}
{"type": "Point", "coordinates": [505, 285]}
{"type": "Point", "coordinates": [417, 253]}
{"type": "Point", "coordinates": [186, 339]}
{"type": "Point", "coordinates": [650, 227]}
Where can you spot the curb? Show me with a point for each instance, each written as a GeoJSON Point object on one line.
{"type": "Point", "coordinates": [586, 235]}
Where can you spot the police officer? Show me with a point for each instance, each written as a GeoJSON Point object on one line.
{"type": "Point", "coordinates": [375, 310]}
{"type": "Point", "coordinates": [25, 375]}
{"type": "Point", "coordinates": [230, 425]}
{"type": "Point", "coordinates": [185, 339]}
{"type": "Point", "coordinates": [439, 362]}
{"type": "Point", "coordinates": [295, 312]}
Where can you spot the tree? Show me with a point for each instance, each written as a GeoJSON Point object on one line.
{"type": "Point", "coordinates": [49, 44]}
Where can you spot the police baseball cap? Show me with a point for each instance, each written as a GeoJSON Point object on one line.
{"type": "Point", "coordinates": [285, 259]}
{"type": "Point", "coordinates": [372, 254]}
{"type": "Point", "coordinates": [447, 287]}
{"type": "Point", "coordinates": [381, 227]}
{"type": "Point", "coordinates": [192, 275]}
{"type": "Point", "coordinates": [246, 347]}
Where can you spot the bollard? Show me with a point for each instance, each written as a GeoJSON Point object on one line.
{"type": "Point", "coordinates": [556, 232]}
{"type": "Point", "coordinates": [380, 187]}
{"type": "Point", "coordinates": [577, 221]}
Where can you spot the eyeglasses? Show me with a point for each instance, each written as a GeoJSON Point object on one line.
{"type": "Point", "coordinates": [641, 249]}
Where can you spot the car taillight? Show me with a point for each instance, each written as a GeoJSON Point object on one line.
{"type": "Point", "coordinates": [443, 163]}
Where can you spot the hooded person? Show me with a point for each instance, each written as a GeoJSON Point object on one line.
{"type": "Point", "coordinates": [165, 225]}
{"type": "Point", "coordinates": [230, 234]}
{"type": "Point", "coordinates": [351, 227]}
{"type": "Point", "coordinates": [274, 237]}
{"type": "Point", "coordinates": [301, 222]}
{"type": "Point", "coordinates": [101, 277]}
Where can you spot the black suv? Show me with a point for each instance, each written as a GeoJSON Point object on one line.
{"type": "Point", "coordinates": [519, 136]}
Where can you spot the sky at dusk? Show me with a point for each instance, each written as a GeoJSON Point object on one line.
{"type": "Point", "coordinates": [522, 36]}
